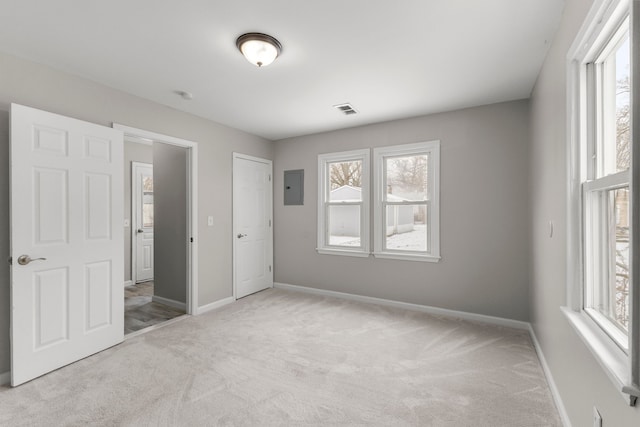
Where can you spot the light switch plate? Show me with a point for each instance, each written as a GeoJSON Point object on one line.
{"type": "Point", "coordinates": [210, 221]}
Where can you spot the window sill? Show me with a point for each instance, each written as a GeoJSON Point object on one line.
{"type": "Point", "coordinates": [325, 251]}
{"type": "Point", "coordinates": [613, 360]}
{"type": "Point", "coordinates": [406, 257]}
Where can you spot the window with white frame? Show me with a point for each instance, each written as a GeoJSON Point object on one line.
{"type": "Point", "coordinates": [343, 205]}
{"type": "Point", "coordinates": [605, 188]}
{"type": "Point", "coordinates": [406, 201]}
{"type": "Point", "coordinates": [600, 155]}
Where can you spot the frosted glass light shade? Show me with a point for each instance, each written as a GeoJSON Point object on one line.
{"type": "Point", "coordinates": [259, 49]}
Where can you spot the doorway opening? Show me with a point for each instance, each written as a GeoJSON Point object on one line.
{"type": "Point", "coordinates": [160, 229]}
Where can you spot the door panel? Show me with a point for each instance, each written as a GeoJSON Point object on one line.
{"type": "Point", "coordinates": [98, 288]}
{"type": "Point", "coordinates": [98, 206]}
{"type": "Point", "coordinates": [253, 237]}
{"type": "Point", "coordinates": [142, 193]}
{"type": "Point", "coordinates": [50, 190]}
{"type": "Point", "coordinates": [51, 297]}
{"type": "Point", "coordinates": [66, 201]}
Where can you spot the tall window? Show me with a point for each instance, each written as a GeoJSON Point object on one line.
{"type": "Point", "coordinates": [600, 243]}
{"type": "Point", "coordinates": [606, 188]}
{"type": "Point", "coordinates": [343, 205]}
{"type": "Point", "coordinates": [406, 209]}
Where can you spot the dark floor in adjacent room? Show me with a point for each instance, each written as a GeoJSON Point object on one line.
{"type": "Point", "coordinates": [140, 312]}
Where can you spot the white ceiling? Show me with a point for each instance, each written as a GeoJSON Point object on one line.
{"type": "Point", "coordinates": [389, 59]}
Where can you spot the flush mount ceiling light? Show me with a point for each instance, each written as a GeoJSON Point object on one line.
{"type": "Point", "coordinates": [259, 49]}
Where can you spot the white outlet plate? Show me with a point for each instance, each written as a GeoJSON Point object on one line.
{"type": "Point", "coordinates": [126, 222]}
{"type": "Point", "coordinates": [597, 418]}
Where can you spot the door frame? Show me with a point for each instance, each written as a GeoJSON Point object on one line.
{"type": "Point", "coordinates": [240, 156]}
{"type": "Point", "coordinates": [147, 137]}
{"type": "Point", "coordinates": [134, 206]}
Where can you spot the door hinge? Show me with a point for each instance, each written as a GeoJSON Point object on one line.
{"type": "Point", "coordinates": [191, 239]}
{"type": "Point", "coordinates": [269, 178]}
{"type": "Point", "coordinates": [269, 223]}
{"type": "Point", "coordinates": [10, 260]}
{"type": "Point", "coordinates": [269, 269]}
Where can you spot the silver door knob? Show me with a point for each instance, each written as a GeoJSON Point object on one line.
{"type": "Point", "coordinates": [240, 235]}
{"type": "Point", "coordinates": [140, 230]}
{"type": "Point", "coordinates": [26, 259]}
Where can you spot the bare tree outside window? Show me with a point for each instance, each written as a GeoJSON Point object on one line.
{"type": "Point", "coordinates": [623, 142]}
{"type": "Point", "coordinates": [407, 175]}
{"type": "Point", "coordinates": [345, 173]}
{"type": "Point", "coordinates": [623, 161]}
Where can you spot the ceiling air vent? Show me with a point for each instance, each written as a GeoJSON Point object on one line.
{"type": "Point", "coordinates": [346, 109]}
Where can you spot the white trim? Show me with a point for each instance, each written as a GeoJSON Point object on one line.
{"type": "Point", "coordinates": [555, 393]}
{"type": "Point", "coordinates": [603, 13]}
{"type": "Point", "coordinates": [215, 305]}
{"type": "Point", "coordinates": [323, 246]}
{"type": "Point", "coordinates": [5, 378]}
{"type": "Point", "coordinates": [509, 323]}
{"type": "Point", "coordinates": [136, 199]}
{"type": "Point", "coordinates": [609, 182]}
{"type": "Point", "coordinates": [128, 283]}
{"type": "Point", "coordinates": [239, 156]}
{"type": "Point", "coordinates": [406, 257]}
{"type": "Point", "coordinates": [144, 136]}
{"type": "Point", "coordinates": [359, 254]}
{"type": "Point", "coordinates": [170, 302]}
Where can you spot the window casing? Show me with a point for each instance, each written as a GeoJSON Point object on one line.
{"type": "Point", "coordinates": [406, 207]}
{"type": "Point", "coordinates": [601, 285]}
{"type": "Point", "coordinates": [343, 203]}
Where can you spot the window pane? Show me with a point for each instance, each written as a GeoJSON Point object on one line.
{"type": "Point", "coordinates": [147, 201]}
{"type": "Point", "coordinates": [613, 108]}
{"type": "Point", "coordinates": [406, 178]}
{"type": "Point", "coordinates": [623, 69]}
{"type": "Point", "coordinates": [620, 270]}
{"type": "Point", "coordinates": [608, 259]}
{"type": "Point", "coordinates": [147, 184]}
{"type": "Point", "coordinates": [406, 228]}
{"type": "Point", "coordinates": [344, 176]}
{"type": "Point", "coordinates": [344, 225]}
{"type": "Point", "coordinates": [147, 210]}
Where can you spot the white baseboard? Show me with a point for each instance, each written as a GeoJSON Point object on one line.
{"type": "Point", "coordinates": [5, 378]}
{"type": "Point", "coordinates": [127, 283]}
{"type": "Point", "coordinates": [171, 303]}
{"type": "Point", "coordinates": [408, 306]}
{"type": "Point", "coordinates": [214, 305]}
{"type": "Point", "coordinates": [566, 422]}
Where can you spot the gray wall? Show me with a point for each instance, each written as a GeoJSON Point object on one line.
{"type": "Point", "coordinates": [484, 215]}
{"type": "Point", "coordinates": [581, 381]}
{"type": "Point", "coordinates": [133, 152]}
{"type": "Point", "coordinates": [170, 222]}
{"type": "Point", "coordinates": [37, 86]}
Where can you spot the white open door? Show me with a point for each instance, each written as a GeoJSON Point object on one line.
{"type": "Point", "coordinates": [67, 250]}
{"type": "Point", "coordinates": [252, 229]}
{"type": "Point", "coordinates": [142, 194]}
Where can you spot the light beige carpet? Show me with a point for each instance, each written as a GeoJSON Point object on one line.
{"type": "Point", "coordinates": [287, 358]}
